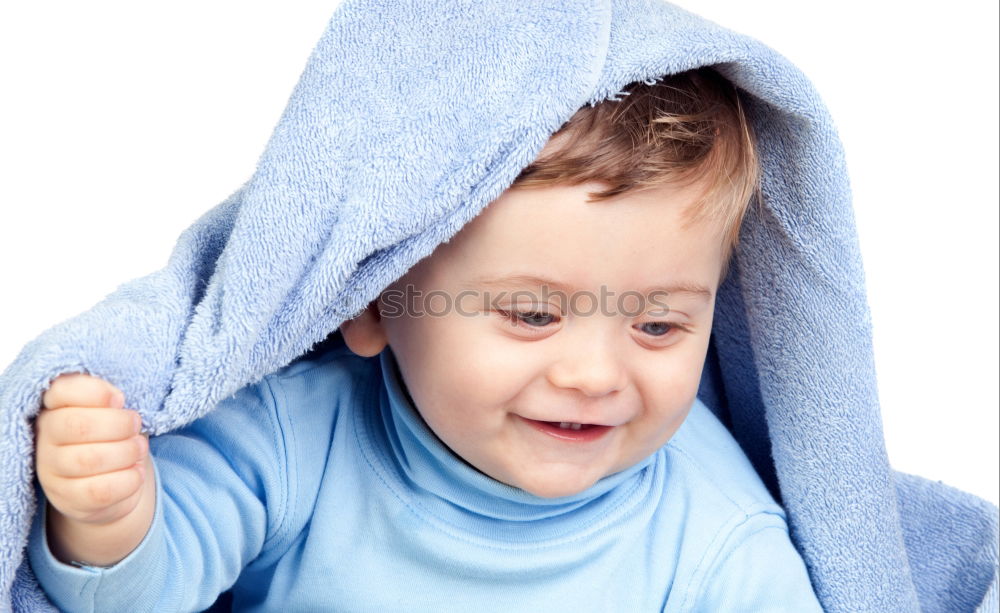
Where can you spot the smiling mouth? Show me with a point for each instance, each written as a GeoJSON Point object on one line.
{"type": "Point", "coordinates": [569, 431]}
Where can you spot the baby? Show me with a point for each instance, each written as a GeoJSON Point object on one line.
{"type": "Point", "coordinates": [512, 426]}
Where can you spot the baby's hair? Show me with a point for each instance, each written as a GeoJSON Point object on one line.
{"type": "Point", "coordinates": [680, 129]}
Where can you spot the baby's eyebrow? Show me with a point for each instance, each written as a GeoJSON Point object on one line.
{"type": "Point", "coordinates": [517, 281]}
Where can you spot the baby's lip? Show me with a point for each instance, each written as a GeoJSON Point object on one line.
{"type": "Point", "coordinates": [581, 434]}
{"type": "Point", "coordinates": [582, 423]}
{"type": "Point", "coordinates": [571, 421]}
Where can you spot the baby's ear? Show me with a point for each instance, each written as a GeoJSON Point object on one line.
{"type": "Point", "coordinates": [363, 333]}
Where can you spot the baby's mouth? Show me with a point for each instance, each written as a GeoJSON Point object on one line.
{"type": "Point", "coordinates": [570, 431]}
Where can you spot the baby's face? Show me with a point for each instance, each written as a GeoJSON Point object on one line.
{"type": "Point", "coordinates": [550, 392]}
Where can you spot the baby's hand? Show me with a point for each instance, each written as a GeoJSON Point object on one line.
{"type": "Point", "coordinates": [89, 454]}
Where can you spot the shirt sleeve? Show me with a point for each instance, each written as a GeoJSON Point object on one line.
{"type": "Point", "coordinates": [220, 496]}
{"type": "Point", "coordinates": [762, 572]}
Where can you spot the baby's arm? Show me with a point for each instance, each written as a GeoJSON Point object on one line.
{"type": "Point", "coordinates": [220, 494]}
{"type": "Point", "coordinates": [95, 470]}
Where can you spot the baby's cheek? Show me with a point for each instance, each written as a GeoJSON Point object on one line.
{"type": "Point", "coordinates": [662, 423]}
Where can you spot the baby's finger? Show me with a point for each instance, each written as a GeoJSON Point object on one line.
{"type": "Point", "coordinates": [75, 425]}
{"type": "Point", "coordinates": [115, 511]}
{"type": "Point", "coordinates": [97, 458]}
{"type": "Point", "coordinates": [80, 390]}
{"type": "Point", "coordinates": [96, 493]}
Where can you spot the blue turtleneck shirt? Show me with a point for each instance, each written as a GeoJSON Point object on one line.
{"type": "Point", "coordinates": [320, 488]}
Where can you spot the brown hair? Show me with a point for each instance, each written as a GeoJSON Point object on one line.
{"type": "Point", "coordinates": [678, 130]}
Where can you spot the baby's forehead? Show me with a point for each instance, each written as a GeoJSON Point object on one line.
{"type": "Point", "coordinates": [568, 211]}
{"type": "Point", "coordinates": [555, 234]}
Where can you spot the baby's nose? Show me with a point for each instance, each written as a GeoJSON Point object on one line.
{"type": "Point", "coordinates": [593, 369]}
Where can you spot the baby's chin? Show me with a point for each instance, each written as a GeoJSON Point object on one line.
{"type": "Point", "coordinates": [555, 486]}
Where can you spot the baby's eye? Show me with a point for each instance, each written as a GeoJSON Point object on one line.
{"type": "Point", "coordinates": [660, 328]}
{"type": "Point", "coordinates": [533, 319]}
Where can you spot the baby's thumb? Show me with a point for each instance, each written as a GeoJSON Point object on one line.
{"type": "Point", "coordinates": [81, 390]}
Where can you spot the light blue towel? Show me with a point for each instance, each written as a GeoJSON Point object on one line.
{"type": "Point", "coordinates": [410, 117]}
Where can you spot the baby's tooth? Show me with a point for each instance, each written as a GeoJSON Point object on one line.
{"type": "Point", "coordinates": [564, 425]}
{"type": "Point", "coordinates": [575, 426]}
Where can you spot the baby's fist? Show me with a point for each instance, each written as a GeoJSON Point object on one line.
{"type": "Point", "coordinates": [90, 457]}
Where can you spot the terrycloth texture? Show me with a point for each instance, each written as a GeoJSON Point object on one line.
{"type": "Point", "coordinates": [410, 117]}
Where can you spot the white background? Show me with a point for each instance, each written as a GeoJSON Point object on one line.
{"type": "Point", "coordinates": [121, 122]}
